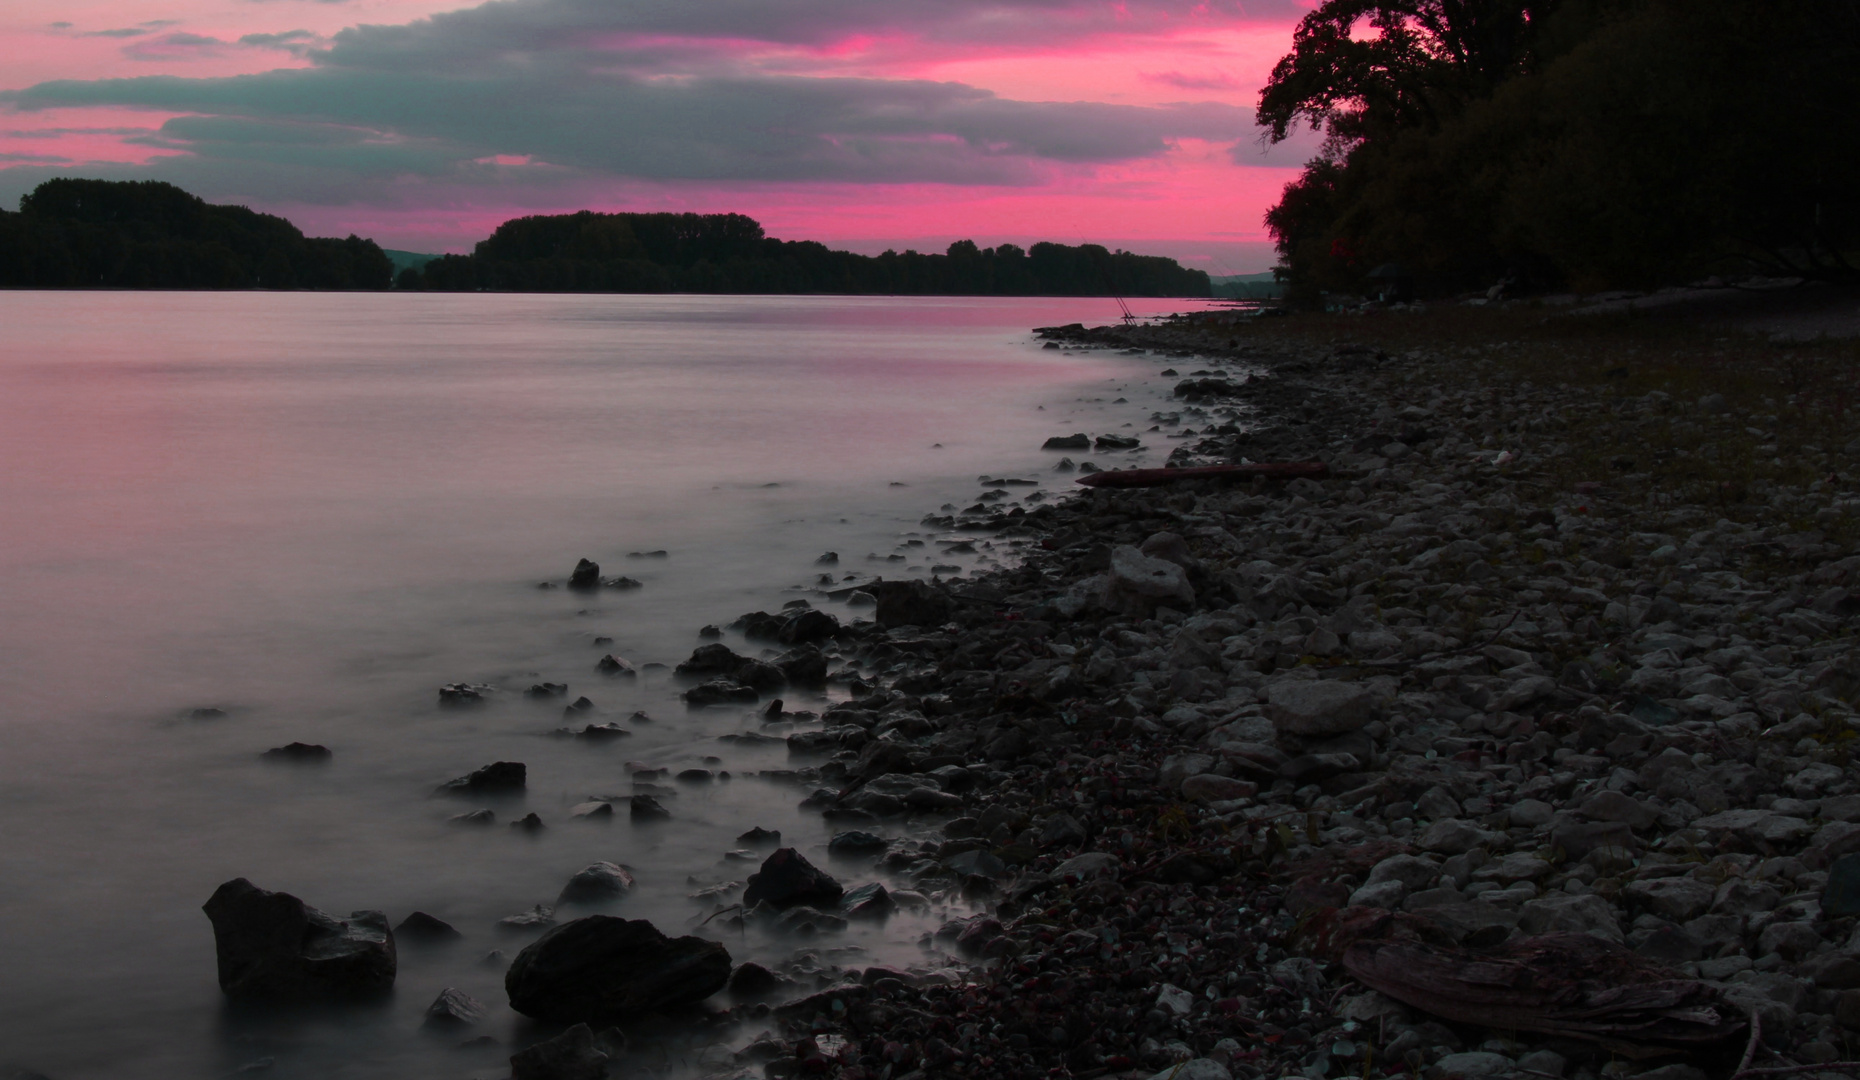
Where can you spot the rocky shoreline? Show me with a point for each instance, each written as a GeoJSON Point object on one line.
{"type": "Point", "coordinates": [1226, 758]}
{"type": "Point", "coordinates": [1516, 746]}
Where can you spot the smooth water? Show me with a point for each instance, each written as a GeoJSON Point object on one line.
{"type": "Point", "coordinates": [311, 510]}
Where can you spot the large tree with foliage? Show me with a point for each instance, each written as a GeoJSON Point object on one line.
{"type": "Point", "coordinates": [1586, 143]}
{"type": "Point", "coordinates": [151, 235]}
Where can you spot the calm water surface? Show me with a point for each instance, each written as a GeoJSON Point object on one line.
{"type": "Point", "coordinates": [311, 510]}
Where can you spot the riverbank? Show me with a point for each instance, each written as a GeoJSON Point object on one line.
{"type": "Point", "coordinates": [1562, 646]}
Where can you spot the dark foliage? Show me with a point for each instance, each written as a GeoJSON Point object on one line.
{"type": "Point", "coordinates": [1585, 143]}
{"type": "Point", "coordinates": [728, 253]}
{"type": "Point", "coordinates": [151, 235]}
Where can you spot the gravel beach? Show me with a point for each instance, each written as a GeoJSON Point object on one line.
{"type": "Point", "coordinates": [1498, 752]}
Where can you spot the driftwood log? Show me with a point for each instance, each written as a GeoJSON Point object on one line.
{"type": "Point", "coordinates": [1283, 470]}
{"type": "Point", "coordinates": [1566, 985]}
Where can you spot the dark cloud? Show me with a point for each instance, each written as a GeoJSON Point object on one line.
{"type": "Point", "coordinates": [179, 45]}
{"type": "Point", "coordinates": [287, 38]}
{"type": "Point", "coordinates": [1177, 79]}
{"type": "Point", "coordinates": [122, 32]}
{"type": "Point", "coordinates": [653, 90]}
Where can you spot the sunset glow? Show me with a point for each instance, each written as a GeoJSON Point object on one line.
{"type": "Point", "coordinates": [424, 123]}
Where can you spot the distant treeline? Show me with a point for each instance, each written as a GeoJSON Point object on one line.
{"type": "Point", "coordinates": [151, 235]}
{"type": "Point", "coordinates": [1570, 143]}
{"type": "Point", "coordinates": [728, 253]}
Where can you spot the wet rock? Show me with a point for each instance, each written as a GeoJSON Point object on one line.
{"type": "Point", "coordinates": [1453, 836]}
{"type": "Point", "coordinates": [298, 753]}
{"type": "Point", "coordinates": [597, 883]}
{"type": "Point", "coordinates": [1195, 1069]}
{"type": "Point", "coordinates": [808, 627]}
{"type": "Point", "coordinates": [421, 928]}
{"type": "Point", "coordinates": [1675, 898]}
{"type": "Point", "coordinates": [787, 879]}
{"type": "Point", "coordinates": [615, 666]}
{"type": "Point", "coordinates": [1138, 584]}
{"type": "Point", "coordinates": [1209, 788]}
{"type": "Point", "coordinates": [1585, 914]}
{"type": "Point", "coordinates": [271, 945]}
{"type": "Point", "coordinates": [720, 692]}
{"type": "Point", "coordinates": [1080, 441]}
{"type": "Point", "coordinates": [1579, 839]}
{"type": "Point", "coordinates": [602, 968]}
{"type": "Point", "coordinates": [1470, 1065]}
{"type": "Point", "coordinates": [1062, 831]}
{"type": "Point", "coordinates": [1088, 867]}
{"type": "Point", "coordinates": [529, 823]}
{"type": "Point", "coordinates": [854, 844]}
{"type": "Point", "coordinates": [761, 837]}
{"type": "Point", "coordinates": [871, 901]}
{"type": "Point", "coordinates": [536, 918]}
{"type": "Point", "coordinates": [497, 778]}
{"type": "Point", "coordinates": [910, 603]}
{"type": "Point", "coordinates": [586, 575]}
{"type": "Point", "coordinates": [1319, 707]}
{"type": "Point", "coordinates": [751, 982]}
{"type": "Point", "coordinates": [454, 1009]}
{"type": "Point", "coordinates": [572, 1055]}
{"type": "Point", "coordinates": [473, 817]}
{"type": "Point", "coordinates": [646, 808]}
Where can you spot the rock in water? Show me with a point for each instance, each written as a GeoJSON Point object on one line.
{"type": "Point", "coordinates": [1079, 441]}
{"type": "Point", "coordinates": [787, 879]}
{"type": "Point", "coordinates": [587, 575]}
{"type": "Point", "coordinates": [597, 884]}
{"type": "Point", "coordinates": [571, 1055]}
{"type": "Point", "coordinates": [603, 968]}
{"type": "Point", "coordinates": [909, 603]}
{"type": "Point", "coordinates": [271, 945]}
{"type": "Point", "coordinates": [309, 753]}
{"type": "Point", "coordinates": [497, 777]}
{"type": "Point", "coordinates": [421, 927]}
{"type": "Point", "coordinates": [454, 1009]}
{"type": "Point", "coordinates": [720, 692]}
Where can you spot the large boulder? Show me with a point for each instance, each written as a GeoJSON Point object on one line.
{"type": "Point", "coordinates": [1138, 584]}
{"type": "Point", "coordinates": [1319, 707]}
{"type": "Point", "coordinates": [787, 879]}
{"type": "Point", "coordinates": [712, 659]}
{"type": "Point", "coordinates": [807, 627]}
{"type": "Point", "coordinates": [603, 968]}
{"type": "Point", "coordinates": [597, 883]}
{"type": "Point", "coordinates": [271, 945]}
{"type": "Point", "coordinates": [910, 603]}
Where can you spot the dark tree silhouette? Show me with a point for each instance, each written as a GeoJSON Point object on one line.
{"type": "Point", "coordinates": [151, 235]}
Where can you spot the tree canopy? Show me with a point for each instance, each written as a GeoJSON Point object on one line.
{"type": "Point", "coordinates": [145, 234]}
{"type": "Point", "coordinates": [728, 253]}
{"type": "Point", "coordinates": [1571, 143]}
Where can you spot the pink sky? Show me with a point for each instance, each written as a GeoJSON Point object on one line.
{"type": "Point", "coordinates": [424, 123]}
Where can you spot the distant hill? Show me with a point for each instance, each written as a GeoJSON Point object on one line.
{"type": "Point", "coordinates": [151, 235]}
{"type": "Point", "coordinates": [728, 253]}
